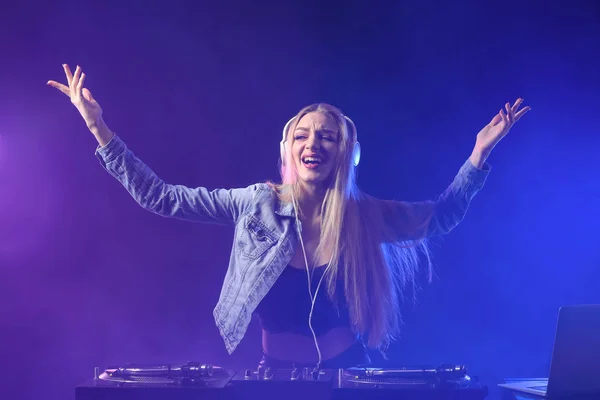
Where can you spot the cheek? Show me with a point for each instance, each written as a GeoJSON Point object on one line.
{"type": "Point", "coordinates": [296, 150]}
{"type": "Point", "coordinates": [332, 149]}
{"type": "Point", "coordinates": [297, 158]}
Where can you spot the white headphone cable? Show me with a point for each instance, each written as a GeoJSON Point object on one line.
{"type": "Point", "coordinates": [309, 277]}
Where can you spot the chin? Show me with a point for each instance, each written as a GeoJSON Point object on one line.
{"type": "Point", "coordinates": [313, 177]}
{"type": "Point", "coordinates": [315, 180]}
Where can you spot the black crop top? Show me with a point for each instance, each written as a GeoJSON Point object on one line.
{"type": "Point", "coordinates": [286, 307]}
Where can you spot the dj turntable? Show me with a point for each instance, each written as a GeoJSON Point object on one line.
{"type": "Point", "coordinates": [203, 381]}
{"type": "Point", "coordinates": [447, 381]}
{"type": "Point", "coordinates": [156, 382]}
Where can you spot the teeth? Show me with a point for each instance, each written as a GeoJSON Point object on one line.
{"type": "Point", "coordinates": [312, 159]}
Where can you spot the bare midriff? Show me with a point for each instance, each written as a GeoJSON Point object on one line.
{"type": "Point", "coordinates": [294, 347]}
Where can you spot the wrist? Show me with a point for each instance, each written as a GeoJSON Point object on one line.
{"type": "Point", "coordinates": [478, 158]}
{"type": "Point", "coordinates": [100, 131]}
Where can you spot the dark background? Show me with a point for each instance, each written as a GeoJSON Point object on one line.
{"type": "Point", "coordinates": [201, 90]}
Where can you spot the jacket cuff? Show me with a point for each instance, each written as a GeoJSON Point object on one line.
{"type": "Point", "coordinates": [110, 151]}
{"type": "Point", "coordinates": [474, 177]}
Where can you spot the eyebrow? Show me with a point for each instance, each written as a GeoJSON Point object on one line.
{"type": "Point", "coordinates": [321, 130]}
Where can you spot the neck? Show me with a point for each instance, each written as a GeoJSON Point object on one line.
{"type": "Point", "coordinates": [311, 201]}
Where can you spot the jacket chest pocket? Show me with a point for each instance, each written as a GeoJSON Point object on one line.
{"type": "Point", "coordinates": [255, 238]}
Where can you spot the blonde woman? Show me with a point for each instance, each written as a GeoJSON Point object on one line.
{"type": "Point", "coordinates": [321, 263]}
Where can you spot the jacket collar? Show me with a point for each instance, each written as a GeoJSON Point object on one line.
{"type": "Point", "coordinates": [285, 209]}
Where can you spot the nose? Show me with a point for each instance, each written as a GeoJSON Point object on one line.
{"type": "Point", "coordinates": [313, 142]}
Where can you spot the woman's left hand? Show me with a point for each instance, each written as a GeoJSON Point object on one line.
{"type": "Point", "coordinates": [493, 132]}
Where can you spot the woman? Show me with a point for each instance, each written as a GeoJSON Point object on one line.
{"type": "Point", "coordinates": [321, 263]}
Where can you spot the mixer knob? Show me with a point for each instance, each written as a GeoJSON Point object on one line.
{"type": "Point", "coordinates": [268, 373]}
{"type": "Point", "coordinates": [248, 374]}
{"type": "Point", "coordinates": [315, 374]}
{"type": "Point", "coordinates": [295, 374]}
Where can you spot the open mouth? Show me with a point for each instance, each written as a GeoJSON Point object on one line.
{"type": "Point", "coordinates": [312, 162]}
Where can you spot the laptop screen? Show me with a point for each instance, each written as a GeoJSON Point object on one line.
{"type": "Point", "coordinates": [575, 366]}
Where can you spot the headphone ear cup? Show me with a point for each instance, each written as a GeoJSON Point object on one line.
{"type": "Point", "coordinates": [282, 152]}
{"type": "Point", "coordinates": [284, 141]}
{"type": "Point", "coordinates": [356, 148]}
{"type": "Point", "coordinates": [356, 154]}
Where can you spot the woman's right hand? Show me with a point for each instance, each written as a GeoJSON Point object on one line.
{"type": "Point", "coordinates": [85, 103]}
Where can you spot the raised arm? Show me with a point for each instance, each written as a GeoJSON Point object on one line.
{"type": "Point", "coordinates": [418, 220]}
{"type": "Point", "coordinates": [151, 192]}
{"type": "Point", "coordinates": [221, 206]}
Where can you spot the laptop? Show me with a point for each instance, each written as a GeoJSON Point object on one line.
{"type": "Point", "coordinates": [575, 364]}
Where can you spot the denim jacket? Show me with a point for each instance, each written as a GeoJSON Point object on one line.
{"type": "Point", "coordinates": [265, 235]}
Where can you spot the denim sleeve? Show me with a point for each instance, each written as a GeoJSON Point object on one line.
{"type": "Point", "coordinates": [220, 206]}
{"type": "Point", "coordinates": [418, 220]}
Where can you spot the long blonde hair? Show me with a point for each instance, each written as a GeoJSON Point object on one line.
{"type": "Point", "coordinates": [375, 260]}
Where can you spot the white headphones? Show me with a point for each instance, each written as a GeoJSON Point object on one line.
{"type": "Point", "coordinates": [355, 150]}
